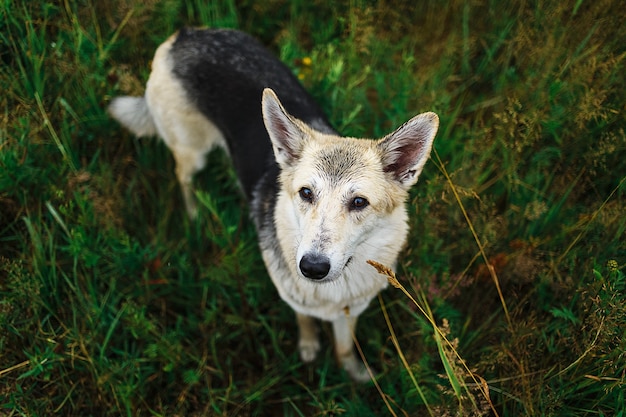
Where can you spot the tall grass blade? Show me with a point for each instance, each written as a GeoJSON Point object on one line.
{"type": "Point", "coordinates": [591, 220]}
{"type": "Point", "coordinates": [427, 313]}
{"type": "Point", "coordinates": [382, 394]}
{"type": "Point", "coordinates": [490, 268]}
{"type": "Point", "coordinates": [405, 363]}
{"type": "Point", "coordinates": [55, 137]}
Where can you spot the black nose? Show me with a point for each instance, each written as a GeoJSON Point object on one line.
{"type": "Point", "coordinates": [314, 266]}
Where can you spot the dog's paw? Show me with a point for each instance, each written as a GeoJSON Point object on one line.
{"type": "Point", "coordinates": [308, 350]}
{"type": "Point", "coordinates": [357, 370]}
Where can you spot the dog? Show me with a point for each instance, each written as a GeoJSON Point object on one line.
{"type": "Point", "coordinates": [322, 204]}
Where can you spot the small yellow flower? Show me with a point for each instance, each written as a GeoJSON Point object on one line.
{"type": "Point", "coordinates": [612, 265]}
{"type": "Point", "coordinates": [306, 61]}
{"type": "Point", "coordinates": [301, 76]}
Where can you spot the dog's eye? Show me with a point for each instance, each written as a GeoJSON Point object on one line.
{"type": "Point", "coordinates": [358, 203]}
{"type": "Point", "coordinates": [306, 194]}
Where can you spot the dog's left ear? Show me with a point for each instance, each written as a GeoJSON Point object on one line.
{"type": "Point", "coordinates": [285, 131]}
{"type": "Point", "coordinates": [406, 150]}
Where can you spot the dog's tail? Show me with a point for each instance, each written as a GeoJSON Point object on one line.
{"type": "Point", "coordinates": [134, 114]}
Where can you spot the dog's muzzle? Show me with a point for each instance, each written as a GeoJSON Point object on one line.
{"type": "Point", "coordinates": [314, 266]}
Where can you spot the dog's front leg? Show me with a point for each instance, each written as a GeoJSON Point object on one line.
{"type": "Point", "coordinates": [343, 329]}
{"type": "Point", "coordinates": [309, 343]}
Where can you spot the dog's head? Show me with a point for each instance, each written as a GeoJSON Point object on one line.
{"type": "Point", "coordinates": [342, 198]}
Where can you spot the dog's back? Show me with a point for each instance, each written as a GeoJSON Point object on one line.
{"type": "Point", "coordinates": [224, 73]}
{"type": "Point", "coordinates": [204, 91]}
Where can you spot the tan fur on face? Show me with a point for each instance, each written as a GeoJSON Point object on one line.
{"type": "Point", "coordinates": [337, 170]}
{"type": "Point", "coordinates": [350, 164]}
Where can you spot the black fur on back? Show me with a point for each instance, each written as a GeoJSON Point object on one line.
{"type": "Point", "coordinates": [224, 73]}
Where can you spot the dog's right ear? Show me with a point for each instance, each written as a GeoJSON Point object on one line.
{"type": "Point", "coordinates": [285, 131]}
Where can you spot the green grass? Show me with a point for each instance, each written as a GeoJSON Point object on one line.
{"type": "Point", "coordinates": [112, 303]}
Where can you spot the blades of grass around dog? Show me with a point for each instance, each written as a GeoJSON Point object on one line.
{"type": "Point", "coordinates": [38, 256]}
{"type": "Point", "coordinates": [586, 228]}
{"type": "Point", "coordinates": [53, 133]}
{"type": "Point", "coordinates": [391, 277]}
{"type": "Point", "coordinates": [80, 33]}
{"type": "Point", "coordinates": [15, 367]}
{"type": "Point", "coordinates": [490, 267]}
{"type": "Point", "coordinates": [396, 344]}
{"type": "Point", "coordinates": [110, 331]}
{"type": "Point", "coordinates": [370, 372]}
{"type": "Point", "coordinates": [449, 355]}
{"type": "Point", "coordinates": [58, 218]}
{"type": "Point", "coordinates": [256, 392]}
{"type": "Point", "coordinates": [172, 352]}
{"type": "Point", "coordinates": [103, 50]}
{"type": "Point", "coordinates": [585, 353]}
{"type": "Point", "coordinates": [457, 385]}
